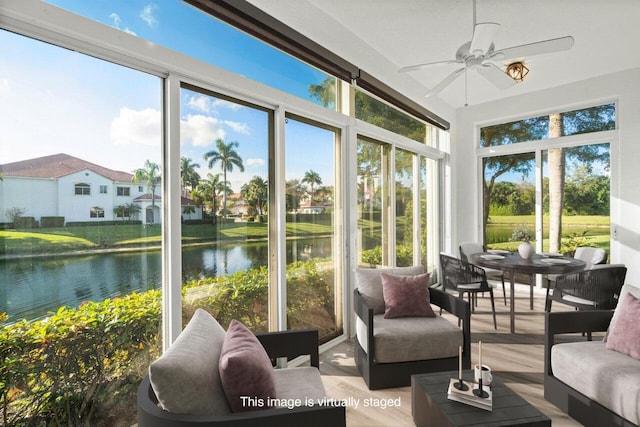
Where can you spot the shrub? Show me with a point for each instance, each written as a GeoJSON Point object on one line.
{"type": "Point", "coordinates": [52, 221]}
{"type": "Point", "coordinates": [23, 222]}
{"type": "Point", "coordinates": [56, 369]}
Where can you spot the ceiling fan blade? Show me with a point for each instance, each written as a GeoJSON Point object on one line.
{"type": "Point", "coordinates": [483, 35]}
{"type": "Point", "coordinates": [444, 83]}
{"type": "Point", "coordinates": [537, 48]}
{"type": "Point", "coordinates": [428, 64]}
{"type": "Point", "coordinates": [496, 76]}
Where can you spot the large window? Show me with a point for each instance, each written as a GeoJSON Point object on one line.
{"type": "Point", "coordinates": [224, 173]}
{"type": "Point", "coordinates": [313, 265]}
{"type": "Point", "coordinates": [77, 314]}
{"type": "Point", "coordinates": [566, 204]}
{"type": "Point", "coordinates": [373, 202]}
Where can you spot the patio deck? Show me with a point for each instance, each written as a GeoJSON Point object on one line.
{"type": "Point", "coordinates": [516, 358]}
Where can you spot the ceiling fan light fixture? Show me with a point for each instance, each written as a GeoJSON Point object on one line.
{"type": "Point", "coordinates": [517, 71]}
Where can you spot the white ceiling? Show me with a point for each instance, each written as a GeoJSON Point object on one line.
{"type": "Point", "coordinates": [381, 36]}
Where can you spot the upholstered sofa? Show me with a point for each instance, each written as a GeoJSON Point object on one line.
{"type": "Point", "coordinates": [187, 387]}
{"type": "Point", "coordinates": [593, 384]}
{"type": "Point", "coordinates": [388, 351]}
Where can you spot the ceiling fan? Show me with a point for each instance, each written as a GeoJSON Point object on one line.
{"type": "Point", "coordinates": [479, 53]}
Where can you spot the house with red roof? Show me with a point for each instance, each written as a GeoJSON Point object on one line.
{"type": "Point", "coordinates": [66, 186]}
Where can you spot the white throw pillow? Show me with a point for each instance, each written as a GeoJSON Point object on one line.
{"type": "Point", "coordinates": [186, 378]}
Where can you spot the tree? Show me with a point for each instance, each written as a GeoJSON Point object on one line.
{"type": "Point", "coordinates": [556, 164]}
{"type": "Point", "coordinates": [312, 178]}
{"type": "Point", "coordinates": [255, 194]}
{"type": "Point", "coordinates": [149, 174]}
{"type": "Point", "coordinates": [325, 92]}
{"type": "Point", "coordinates": [13, 214]}
{"type": "Point", "coordinates": [213, 186]}
{"type": "Point", "coordinates": [228, 157]}
{"type": "Point", "coordinates": [189, 177]}
{"type": "Point", "coordinates": [294, 192]}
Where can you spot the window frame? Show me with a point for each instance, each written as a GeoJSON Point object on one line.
{"type": "Point", "coordinates": [54, 25]}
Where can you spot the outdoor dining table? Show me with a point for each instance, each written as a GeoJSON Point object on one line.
{"type": "Point", "coordinates": [513, 263]}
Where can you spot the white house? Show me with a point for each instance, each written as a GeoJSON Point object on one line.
{"type": "Point", "coordinates": [77, 190]}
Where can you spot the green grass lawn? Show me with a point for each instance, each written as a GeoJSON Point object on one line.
{"type": "Point", "coordinates": [586, 220]}
{"type": "Point", "coordinates": [54, 240]}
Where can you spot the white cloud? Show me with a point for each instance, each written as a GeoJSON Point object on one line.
{"type": "Point", "coordinates": [4, 85]}
{"type": "Point", "coordinates": [200, 103]}
{"type": "Point", "coordinates": [227, 104]}
{"type": "Point", "coordinates": [136, 127]}
{"type": "Point", "coordinates": [147, 15]}
{"type": "Point", "coordinates": [200, 130]}
{"type": "Point", "coordinates": [254, 162]}
{"type": "Point", "coordinates": [115, 19]}
{"type": "Point", "coordinates": [238, 127]}
{"type": "Point", "coordinates": [207, 104]}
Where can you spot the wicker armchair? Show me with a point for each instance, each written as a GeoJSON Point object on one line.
{"type": "Point", "coordinates": [462, 277]}
{"type": "Point", "coordinates": [469, 248]}
{"type": "Point", "coordinates": [594, 289]}
{"type": "Point", "coordinates": [592, 256]}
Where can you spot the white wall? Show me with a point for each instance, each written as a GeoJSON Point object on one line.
{"type": "Point", "coordinates": [622, 87]}
{"type": "Point", "coordinates": [37, 197]}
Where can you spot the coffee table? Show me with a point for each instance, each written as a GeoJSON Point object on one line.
{"type": "Point", "coordinates": [430, 406]}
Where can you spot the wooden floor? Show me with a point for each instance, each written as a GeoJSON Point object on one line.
{"type": "Point", "coordinates": [516, 358]}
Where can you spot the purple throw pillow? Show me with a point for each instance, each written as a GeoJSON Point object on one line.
{"type": "Point", "coordinates": [406, 296]}
{"type": "Point", "coordinates": [245, 370]}
{"type": "Point", "coordinates": [624, 336]}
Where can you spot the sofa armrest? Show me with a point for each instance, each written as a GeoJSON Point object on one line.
{"type": "Point", "coordinates": [568, 322]}
{"type": "Point", "coordinates": [151, 415]}
{"type": "Point", "coordinates": [365, 313]}
{"type": "Point", "coordinates": [462, 310]}
{"type": "Point", "coordinates": [291, 344]}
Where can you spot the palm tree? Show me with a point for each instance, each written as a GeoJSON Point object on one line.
{"type": "Point", "coordinates": [312, 178]}
{"type": "Point", "coordinates": [255, 193]}
{"type": "Point", "coordinates": [189, 178]}
{"type": "Point", "coordinates": [120, 211]}
{"type": "Point", "coordinates": [214, 186]}
{"type": "Point", "coordinates": [149, 174]}
{"type": "Point", "coordinates": [228, 158]}
{"type": "Point", "coordinates": [132, 209]}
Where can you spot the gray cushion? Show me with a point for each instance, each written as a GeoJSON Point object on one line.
{"type": "Point", "coordinates": [299, 383]}
{"type": "Point", "coordinates": [185, 378]}
{"type": "Point", "coordinates": [605, 376]}
{"type": "Point", "coordinates": [412, 338]}
{"type": "Point", "coordinates": [369, 283]}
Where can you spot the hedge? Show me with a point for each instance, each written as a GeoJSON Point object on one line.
{"type": "Point", "coordinates": [56, 369]}
{"type": "Point", "coordinates": [90, 223]}
{"type": "Point", "coordinates": [52, 221]}
{"type": "Point", "coordinates": [23, 222]}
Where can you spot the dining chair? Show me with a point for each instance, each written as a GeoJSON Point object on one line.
{"type": "Point", "coordinates": [463, 277]}
{"type": "Point", "coordinates": [592, 256]}
{"type": "Point", "coordinates": [469, 248]}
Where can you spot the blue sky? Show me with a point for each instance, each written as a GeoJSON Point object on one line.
{"type": "Point", "coordinates": [53, 100]}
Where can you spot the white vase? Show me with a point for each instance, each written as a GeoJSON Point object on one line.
{"type": "Point", "coordinates": [526, 250]}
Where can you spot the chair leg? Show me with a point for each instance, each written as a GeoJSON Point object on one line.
{"type": "Point", "coordinates": [547, 301]}
{"type": "Point", "coordinates": [531, 293]}
{"type": "Point", "coordinates": [493, 310]}
{"type": "Point", "coordinates": [504, 292]}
